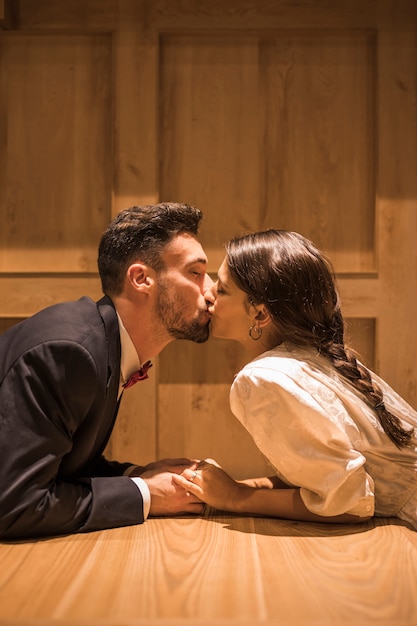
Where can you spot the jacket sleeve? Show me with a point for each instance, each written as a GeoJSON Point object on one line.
{"type": "Point", "coordinates": [46, 400]}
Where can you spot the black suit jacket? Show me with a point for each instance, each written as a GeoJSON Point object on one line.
{"type": "Point", "coordinates": [59, 378]}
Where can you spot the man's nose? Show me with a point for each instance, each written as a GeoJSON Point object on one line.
{"type": "Point", "coordinates": [208, 283]}
{"type": "Point", "coordinates": [207, 289]}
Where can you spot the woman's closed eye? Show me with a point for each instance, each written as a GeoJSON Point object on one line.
{"type": "Point", "coordinates": [220, 288]}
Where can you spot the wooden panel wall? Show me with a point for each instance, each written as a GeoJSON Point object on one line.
{"type": "Point", "coordinates": [6, 14]}
{"type": "Point", "coordinates": [251, 128]}
{"type": "Point", "coordinates": [264, 113]}
{"type": "Point", "coordinates": [55, 180]}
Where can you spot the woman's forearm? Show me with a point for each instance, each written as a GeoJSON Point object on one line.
{"type": "Point", "coordinates": [214, 487]}
{"type": "Point", "coordinates": [265, 482]}
{"type": "Point", "coordinates": [284, 503]}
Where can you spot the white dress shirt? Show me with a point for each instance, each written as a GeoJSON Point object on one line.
{"type": "Point", "coordinates": [129, 363]}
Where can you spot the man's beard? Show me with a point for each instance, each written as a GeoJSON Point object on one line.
{"type": "Point", "coordinates": [169, 308]}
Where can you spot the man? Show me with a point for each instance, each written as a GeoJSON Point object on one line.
{"type": "Point", "coordinates": [64, 370]}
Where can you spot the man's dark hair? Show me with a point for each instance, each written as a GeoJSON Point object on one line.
{"type": "Point", "coordinates": [140, 233]}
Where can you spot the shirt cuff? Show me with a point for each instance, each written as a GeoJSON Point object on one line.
{"type": "Point", "coordinates": [146, 495]}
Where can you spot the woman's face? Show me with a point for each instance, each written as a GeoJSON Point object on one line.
{"type": "Point", "coordinates": [231, 314]}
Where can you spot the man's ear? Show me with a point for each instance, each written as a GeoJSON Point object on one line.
{"type": "Point", "coordinates": [140, 277]}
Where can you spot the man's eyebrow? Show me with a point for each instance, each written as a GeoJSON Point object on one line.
{"type": "Point", "coordinates": [196, 261]}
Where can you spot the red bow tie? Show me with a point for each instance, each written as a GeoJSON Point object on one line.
{"type": "Point", "coordinates": [141, 374]}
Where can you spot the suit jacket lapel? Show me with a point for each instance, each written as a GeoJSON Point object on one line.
{"type": "Point", "coordinates": [108, 314]}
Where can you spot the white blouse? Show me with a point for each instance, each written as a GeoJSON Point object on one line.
{"type": "Point", "coordinates": [320, 435]}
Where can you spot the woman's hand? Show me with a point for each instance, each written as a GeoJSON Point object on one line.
{"type": "Point", "coordinates": [211, 484]}
{"type": "Point", "coordinates": [166, 465]}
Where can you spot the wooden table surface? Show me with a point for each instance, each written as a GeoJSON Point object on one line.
{"type": "Point", "coordinates": [216, 570]}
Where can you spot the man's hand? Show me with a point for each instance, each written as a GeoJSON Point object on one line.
{"type": "Point", "coordinates": [167, 498]}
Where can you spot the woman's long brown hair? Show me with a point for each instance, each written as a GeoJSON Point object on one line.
{"type": "Point", "coordinates": [285, 272]}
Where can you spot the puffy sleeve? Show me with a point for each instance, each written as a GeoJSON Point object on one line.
{"type": "Point", "coordinates": [302, 428]}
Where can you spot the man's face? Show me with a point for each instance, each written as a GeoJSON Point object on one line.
{"type": "Point", "coordinates": [180, 304]}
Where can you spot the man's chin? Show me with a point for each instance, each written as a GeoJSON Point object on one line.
{"type": "Point", "coordinates": [203, 335]}
{"type": "Point", "coordinates": [201, 339]}
{"type": "Point", "coordinates": [198, 334]}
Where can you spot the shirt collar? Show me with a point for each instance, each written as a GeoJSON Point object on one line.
{"type": "Point", "coordinates": [129, 360]}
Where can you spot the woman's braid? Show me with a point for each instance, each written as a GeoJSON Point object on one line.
{"type": "Point", "coordinates": [345, 362]}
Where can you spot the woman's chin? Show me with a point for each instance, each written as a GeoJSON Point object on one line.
{"type": "Point", "coordinates": [217, 335]}
{"type": "Point", "coordinates": [214, 333]}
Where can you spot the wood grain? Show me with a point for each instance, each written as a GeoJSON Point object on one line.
{"type": "Point", "coordinates": [214, 570]}
{"type": "Point", "coordinates": [54, 191]}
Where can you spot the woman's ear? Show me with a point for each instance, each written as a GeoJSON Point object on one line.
{"type": "Point", "coordinates": [140, 277]}
{"type": "Point", "coordinates": [263, 317]}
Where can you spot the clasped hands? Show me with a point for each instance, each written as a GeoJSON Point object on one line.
{"type": "Point", "coordinates": [181, 486]}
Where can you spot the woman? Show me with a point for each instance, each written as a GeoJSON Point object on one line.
{"type": "Point", "coordinates": [340, 440]}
